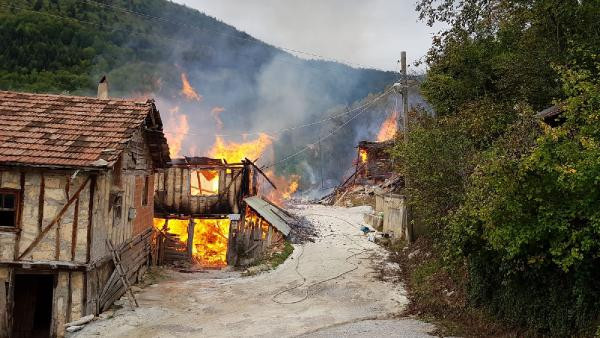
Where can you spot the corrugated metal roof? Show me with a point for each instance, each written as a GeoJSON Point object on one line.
{"type": "Point", "coordinates": [273, 214]}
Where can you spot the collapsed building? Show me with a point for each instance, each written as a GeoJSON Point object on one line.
{"type": "Point", "coordinates": [373, 164]}
{"type": "Point", "coordinates": [76, 205]}
{"type": "Point", "coordinates": [207, 212]}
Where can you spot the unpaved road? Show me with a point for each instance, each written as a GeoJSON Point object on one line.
{"type": "Point", "coordinates": [318, 303]}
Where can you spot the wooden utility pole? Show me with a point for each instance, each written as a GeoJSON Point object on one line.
{"type": "Point", "coordinates": [405, 126]}
{"type": "Point", "coordinates": [404, 95]}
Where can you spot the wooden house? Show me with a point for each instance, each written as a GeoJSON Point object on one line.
{"type": "Point", "coordinates": [374, 164]}
{"type": "Point", "coordinates": [201, 211]}
{"type": "Point", "coordinates": [76, 177]}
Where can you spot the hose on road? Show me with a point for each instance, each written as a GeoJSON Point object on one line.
{"type": "Point", "coordinates": [306, 293]}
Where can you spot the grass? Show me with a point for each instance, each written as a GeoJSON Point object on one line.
{"type": "Point", "coordinates": [270, 262]}
{"type": "Point", "coordinates": [439, 295]}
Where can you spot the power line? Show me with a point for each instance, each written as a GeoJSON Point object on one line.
{"type": "Point", "coordinates": [310, 145]}
{"type": "Point", "coordinates": [279, 131]}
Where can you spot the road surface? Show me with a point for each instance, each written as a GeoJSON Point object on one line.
{"type": "Point", "coordinates": [329, 288]}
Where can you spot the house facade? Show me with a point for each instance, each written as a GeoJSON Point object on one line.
{"type": "Point", "coordinates": [76, 176]}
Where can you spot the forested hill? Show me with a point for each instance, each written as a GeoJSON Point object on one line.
{"type": "Point", "coordinates": [144, 46]}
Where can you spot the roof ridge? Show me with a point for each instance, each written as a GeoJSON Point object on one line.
{"type": "Point", "coordinates": [148, 101]}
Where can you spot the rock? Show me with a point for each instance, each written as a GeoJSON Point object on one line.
{"type": "Point", "coordinates": [80, 321]}
{"type": "Point", "coordinates": [153, 285]}
{"type": "Point", "coordinates": [107, 314]}
{"type": "Point", "coordinates": [413, 254]}
{"type": "Point", "coordinates": [136, 289]}
{"type": "Point", "coordinates": [75, 328]}
{"type": "Point", "coordinates": [449, 294]}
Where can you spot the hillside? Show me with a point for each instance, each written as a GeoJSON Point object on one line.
{"type": "Point", "coordinates": [65, 46]}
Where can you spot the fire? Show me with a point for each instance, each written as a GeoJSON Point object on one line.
{"type": "Point", "coordinates": [362, 153]}
{"type": "Point", "coordinates": [216, 113]}
{"type": "Point", "coordinates": [187, 90]}
{"type": "Point", "coordinates": [210, 240]}
{"type": "Point", "coordinates": [234, 152]}
{"type": "Point", "coordinates": [286, 187]}
{"type": "Point", "coordinates": [211, 237]}
{"type": "Point", "coordinates": [176, 129]}
{"type": "Point", "coordinates": [388, 128]}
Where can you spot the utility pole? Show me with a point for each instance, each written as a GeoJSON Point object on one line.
{"type": "Point", "coordinates": [404, 94]}
{"type": "Point", "coordinates": [404, 91]}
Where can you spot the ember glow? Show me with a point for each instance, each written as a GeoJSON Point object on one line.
{"type": "Point", "coordinates": [211, 237]}
{"type": "Point", "coordinates": [362, 153]}
{"type": "Point", "coordinates": [234, 152]}
{"type": "Point", "coordinates": [187, 90]}
{"type": "Point", "coordinates": [388, 128]}
{"type": "Point", "coordinates": [176, 129]}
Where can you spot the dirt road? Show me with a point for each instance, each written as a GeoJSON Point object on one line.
{"type": "Point", "coordinates": [329, 288]}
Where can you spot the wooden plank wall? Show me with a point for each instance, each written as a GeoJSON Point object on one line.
{"type": "Point", "coordinates": [173, 192]}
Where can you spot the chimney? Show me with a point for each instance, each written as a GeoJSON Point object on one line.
{"type": "Point", "coordinates": [103, 88]}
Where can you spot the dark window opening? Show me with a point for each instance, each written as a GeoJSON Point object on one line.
{"type": "Point", "coordinates": [146, 190]}
{"type": "Point", "coordinates": [116, 203]}
{"type": "Point", "coordinates": [32, 314]}
{"type": "Point", "coordinates": [8, 209]}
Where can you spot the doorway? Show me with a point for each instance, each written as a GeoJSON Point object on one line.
{"type": "Point", "coordinates": [32, 314]}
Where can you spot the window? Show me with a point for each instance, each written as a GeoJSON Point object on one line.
{"type": "Point", "coordinates": [204, 182]}
{"type": "Point", "coordinates": [146, 190]}
{"type": "Point", "coordinates": [116, 203]}
{"type": "Point", "coordinates": [8, 208]}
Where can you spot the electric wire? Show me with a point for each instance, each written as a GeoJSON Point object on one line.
{"type": "Point", "coordinates": [311, 145]}
{"type": "Point", "coordinates": [310, 124]}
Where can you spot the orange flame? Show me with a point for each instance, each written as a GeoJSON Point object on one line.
{"type": "Point", "coordinates": [176, 128]}
{"type": "Point", "coordinates": [362, 153]}
{"type": "Point", "coordinates": [187, 90]}
{"type": "Point", "coordinates": [286, 187]}
{"type": "Point", "coordinates": [388, 128]}
{"type": "Point", "coordinates": [234, 152]}
{"type": "Point", "coordinates": [211, 237]}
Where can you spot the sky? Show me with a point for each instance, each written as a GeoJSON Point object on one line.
{"type": "Point", "coordinates": [362, 33]}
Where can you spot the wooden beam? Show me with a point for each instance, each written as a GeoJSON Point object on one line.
{"type": "Point", "coordinates": [41, 235]}
{"type": "Point", "coordinates": [20, 215]}
{"type": "Point", "coordinates": [262, 173]}
{"type": "Point", "coordinates": [41, 202]}
{"type": "Point", "coordinates": [74, 229]}
{"type": "Point", "coordinates": [90, 218]}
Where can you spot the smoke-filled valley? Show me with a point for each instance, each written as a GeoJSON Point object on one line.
{"type": "Point", "coordinates": [219, 90]}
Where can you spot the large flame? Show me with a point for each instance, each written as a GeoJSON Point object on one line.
{"type": "Point", "coordinates": [187, 90]}
{"type": "Point", "coordinates": [388, 128]}
{"type": "Point", "coordinates": [210, 241]}
{"type": "Point", "coordinates": [286, 187]}
{"type": "Point", "coordinates": [234, 152]}
{"type": "Point", "coordinates": [176, 129]}
{"type": "Point", "coordinates": [211, 237]}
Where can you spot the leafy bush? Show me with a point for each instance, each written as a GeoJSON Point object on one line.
{"type": "Point", "coordinates": [530, 224]}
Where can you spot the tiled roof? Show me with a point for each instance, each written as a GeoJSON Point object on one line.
{"type": "Point", "coordinates": [66, 131]}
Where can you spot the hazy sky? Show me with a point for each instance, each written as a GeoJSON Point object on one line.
{"type": "Point", "coordinates": [366, 32]}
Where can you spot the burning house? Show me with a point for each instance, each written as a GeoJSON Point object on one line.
{"type": "Point", "coordinates": [76, 178]}
{"type": "Point", "coordinates": [202, 213]}
{"type": "Point", "coordinates": [374, 164]}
